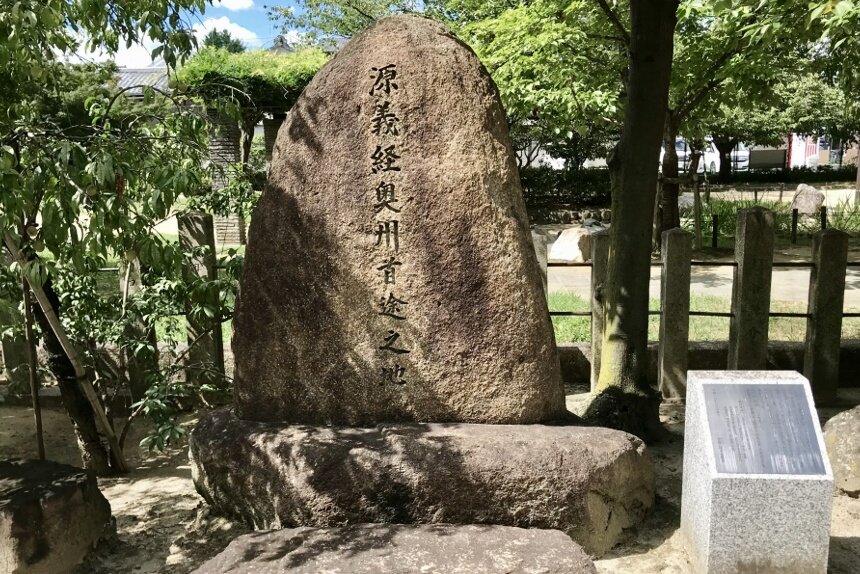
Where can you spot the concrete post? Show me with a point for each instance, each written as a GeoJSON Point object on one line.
{"type": "Point", "coordinates": [824, 325]}
{"type": "Point", "coordinates": [137, 364]}
{"type": "Point", "coordinates": [539, 240]}
{"type": "Point", "coordinates": [675, 318]}
{"type": "Point", "coordinates": [196, 230]}
{"type": "Point", "coordinates": [751, 289]}
{"type": "Point", "coordinates": [599, 266]}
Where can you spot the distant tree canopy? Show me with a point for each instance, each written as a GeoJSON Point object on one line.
{"type": "Point", "coordinates": [223, 39]}
{"type": "Point", "coordinates": [253, 79]}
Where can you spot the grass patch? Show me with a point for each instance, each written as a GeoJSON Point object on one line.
{"type": "Point", "coordinates": [578, 329]}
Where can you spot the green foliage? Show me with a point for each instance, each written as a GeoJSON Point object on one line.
{"type": "Point", "coordinates": [327, 20]}
{"type": "Point", "coordinates": [87, 173]}
{"type": "Point", "coordinates": [795, 175]}
{"type": "Point", "coordinates": [726, 212]}
{"type": "Point", "coordinates": [845, 216]}
{"type": "Point", "coordinates": [547, 187]}
{"type": "Point", "coordinates": [222, 39]}
{"type": "Point", "coordinates": [256, 78]}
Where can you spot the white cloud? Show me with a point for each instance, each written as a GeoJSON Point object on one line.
{"type": "Point", "coordinates": [233, 5]}
{"type": "Point", "coordinates": [241, 33]}
{"type": "Point", "coordinates": [135, 56]}
{"type": "Point", "coordinates": [138, 55]}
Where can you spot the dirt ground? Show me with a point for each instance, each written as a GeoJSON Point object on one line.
{"type": "Point", "coordinates": [164, 527]}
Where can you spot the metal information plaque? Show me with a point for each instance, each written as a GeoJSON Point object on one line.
{"type": "Point", "coordinates": [762, 429]}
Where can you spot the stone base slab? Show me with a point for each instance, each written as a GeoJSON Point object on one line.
{"type": "Point", "coordinates": [398, 548]}
{"type": "Point", "coordinates": [591, 483]}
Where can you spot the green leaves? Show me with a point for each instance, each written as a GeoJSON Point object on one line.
{"type": "Point", "coordinates": [257, 78]}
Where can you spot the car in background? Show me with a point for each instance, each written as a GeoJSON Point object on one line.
{"type": "Point", "coordinates": [710, 161]}
{"type": "Point", "coordinates": [740, 157]}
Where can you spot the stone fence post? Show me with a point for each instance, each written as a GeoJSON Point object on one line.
{"type": "Point", "coordinates": [675, 317]}
{"type": "Point", "coordinates": [824, 324]}
{"type": "Point", "coordinates": [751, 289]}
{"type": "Point", "coordinates": [196, 230]}
{"type": "Point", "coordinates": [599, 265]}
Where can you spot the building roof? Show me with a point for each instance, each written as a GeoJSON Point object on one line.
{"type": "Point", "coordinates": [152, 77]}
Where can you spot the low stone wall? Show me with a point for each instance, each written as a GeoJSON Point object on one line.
{"type": "Point", "coordinates": [713, 355]}
{"type": "Point", "coordinates": [545, 215]}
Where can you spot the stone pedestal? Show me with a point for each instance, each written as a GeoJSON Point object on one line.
{"type": "Point", "coordinates": [397, 548]}
{"type": "Point", "coordinates": [757, 485]}
{"type": "Point", "coordinates": [591, 483]}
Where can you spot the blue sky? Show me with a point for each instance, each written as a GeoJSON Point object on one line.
{"type": "Point", "coordinates": [246, 20]}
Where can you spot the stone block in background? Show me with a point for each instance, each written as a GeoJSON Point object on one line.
{"type": "Point", "coordinates": [842, 437]}
{"type": "Point", "coordinates": [51, 515]}
{"type": "Point", "coordinates": [757, 485]}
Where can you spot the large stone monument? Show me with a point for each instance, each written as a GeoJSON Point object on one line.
{"type": "Point", "coordinates": [757, 488]}
{"type": "Point", "coordinates": [394, 354]}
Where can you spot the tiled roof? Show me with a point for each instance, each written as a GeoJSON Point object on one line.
{"type": "Point", "coordinates": [154, 77]}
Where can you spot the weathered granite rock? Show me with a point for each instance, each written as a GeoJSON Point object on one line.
{"type": "Point", "coordinates": [591, 483]}
{"type": "Point", "coordinates": [807, 200]}
{"type": "Point", "coordinates": [390, 273]}
{"type": "Point", "coordinates": [574, 244]}
{"type": "Point", "coordinates": [842, 437]}
{"type": "Point", "coordinates": [51, 515]}
{"type": "Point", "coordinates": [397, 549]}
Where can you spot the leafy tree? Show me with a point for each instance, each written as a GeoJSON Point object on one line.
{"type": "Point", "coordinates": [326, 21]}
{"type": "Point", "coordinates": [559, 64]}
{"type": "Point", "coordinates": [222, 39]}
{"type": "Point", "coordinates": [249, 84]}
{"type": "Point", "coordinates": [86, 175]}
{"type": "Point", "coordinates": [721, 60]}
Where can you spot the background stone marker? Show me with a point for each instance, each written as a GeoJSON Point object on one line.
{"type": "Point", "coordinates": [390, 273]}
{"type": "Point", "coordinates": [757, 484]}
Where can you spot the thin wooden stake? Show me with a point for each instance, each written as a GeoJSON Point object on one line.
{"type": "Point", "coordinates": [80, 372]}
{"type": "Point", "coordinates": [33, 363]}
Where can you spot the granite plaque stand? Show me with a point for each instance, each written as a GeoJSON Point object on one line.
{"type": "Point", "coordinates": [757, 485]}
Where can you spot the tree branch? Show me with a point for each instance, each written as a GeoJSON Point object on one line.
{"type": "Point", "coordinates": [696, 97]}
{"type": "Point", "coordinates": [616, 21]}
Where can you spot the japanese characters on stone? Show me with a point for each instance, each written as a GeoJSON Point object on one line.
{"type": "Point", "coordinates": [385, 163]}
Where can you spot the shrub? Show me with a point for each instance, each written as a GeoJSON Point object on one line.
{"type": "Point", "coordinates": [547, 187]}
{"type": "Point", "coordinates": [268, 79]}
{"type": "Point", "coordinates": [821, 174]}
{"type": "Point", "coordinates": [727, 215]}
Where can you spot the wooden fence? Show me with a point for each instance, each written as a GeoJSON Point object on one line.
{"type": "Point", "coordinates": [749, 316]}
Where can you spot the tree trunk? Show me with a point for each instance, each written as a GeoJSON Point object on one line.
{"type": "Point", "coordinates": [857, 184]}
{"type": "Point", "coordinates": [623, 399]}
{"type": "Point", "coordinates": [94, 455]}
{"type": "Point", "coordinates": [725, 148]}
{"type": "Point", "coordinates": [670, 218]}
{"type": "Point", "coordinates": [696, 157]}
